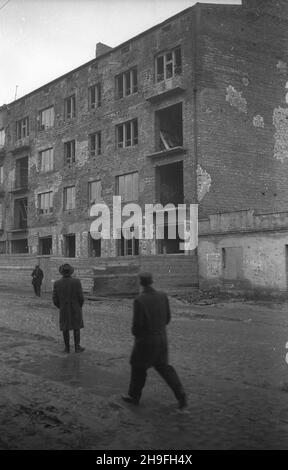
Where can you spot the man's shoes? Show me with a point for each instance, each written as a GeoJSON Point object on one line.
{"type": "Point", "coordinates": [66, 350]}
{"type": "Point", "coordinates": [79, 349]}
{"type": "Point", "coordinates": [182, 402]}
{"type": "Point", "coordinates": [131, 400]}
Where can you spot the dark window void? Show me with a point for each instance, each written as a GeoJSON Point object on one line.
{"type": "Point", "coordinates": [19, 246]}
{"type": "Point", "coordinates": [21, 172]}
{"type": "Point", "coordinates": [20, 213]}
{"type": "Point", "coordinates": [169, 184]}
{"type": "Point", "coordinates": [169, 131]}
{"type": "Point", "coordinates": [69, 246]}
{"type": "Point", "coordinates": [45, 246]}
{"type": "Point", "coordinates": [94, 247]}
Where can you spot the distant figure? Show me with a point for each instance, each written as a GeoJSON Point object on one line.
{"type": "Point", "coordinates": [37, 278]}
{"type": "Point", "coordinates": [151, 314]}
{"type": "Point", "coordinates": [68, 297]}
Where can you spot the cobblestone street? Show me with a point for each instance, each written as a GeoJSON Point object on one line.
{"type": "Point", "coordinates": [230, 357]}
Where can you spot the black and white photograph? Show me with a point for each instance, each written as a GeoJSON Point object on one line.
{"type": "Point", "coordinates": [143, 227]}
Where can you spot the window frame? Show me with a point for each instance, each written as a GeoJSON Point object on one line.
{"type": "Point", "coordinates": [167, 62]}
{"type": "Point", "coordinates": [22, 128]}
{"type": "Point", "coordinates": [127, 83]}
{"type": "Point", "coordinates": [97, 150]}
{"type": "Point", "coordinates": [51, 164]}
{"type": "Point", "coordinates": [133, 186]}
{"type": "Point", "coordinates": [95, 89]}
{"type": "Point", "coordinates": [44, 210]}
{"type": "Point", "coordinates": [43, 126]}
{"type": "Point", "coordinates": [65, 199]}
{"type": "Point", "coordinates": [70, 102]}
{"type": "Point", "coordinates": [70, 156]}
{"type": "Point", "coordinates": [129, 133]}
{"type": "Point", "coordinates": [95, 201]}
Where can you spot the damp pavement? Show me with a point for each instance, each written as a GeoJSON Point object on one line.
{"type": "Point", "coordinates": [230, 357]}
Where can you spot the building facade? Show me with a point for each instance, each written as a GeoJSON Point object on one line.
{"type": "Point", "coordinates": [192, 111]}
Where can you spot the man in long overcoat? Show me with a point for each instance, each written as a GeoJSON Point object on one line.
{"type": "Point", "coordinates": [151, 314]}
{"type": "Point", "coordinates": [68, 297]}
{"type": "Point", "coordinates": [37, 278]}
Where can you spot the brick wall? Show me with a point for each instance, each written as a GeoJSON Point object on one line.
{"type": "Point", "coordinates": [243, 107]}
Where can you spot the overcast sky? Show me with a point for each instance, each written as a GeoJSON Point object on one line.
{"type": "Point", "coordinates": [43, 39]}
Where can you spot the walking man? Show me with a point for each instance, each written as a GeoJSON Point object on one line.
{"type": "Point", "coordinates": [37, 278]}
{"type": "Point", "coordinates": [151, 314]}
{"type": "Point", "coordinates": [68, 297]}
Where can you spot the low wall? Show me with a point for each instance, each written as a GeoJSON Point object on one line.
{"type": "Point", "coordinates": [103, 276]}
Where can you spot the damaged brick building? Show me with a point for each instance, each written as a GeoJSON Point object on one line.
{"type": "Point", "coordinates": [193, 110]}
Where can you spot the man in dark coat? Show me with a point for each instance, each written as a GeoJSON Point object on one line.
{"type": "Point", "coordinates": [151, 314]}
{"type": "Point", "coordinates": [37, 278]}
{"type": "Point", "coordinates": [68, 297]}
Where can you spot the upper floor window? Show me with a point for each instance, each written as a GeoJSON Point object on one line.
{"type": "Point", "coordinates": [69, 198]}
{"type": "Point", "coordinates": [70, 107]}
{"type": "Point", "coordinates": [45, 203]}
{"type": "Point", "coordinates": [22, 128]}
{"type": "Point", "coordinates": [127, 134]}
{"type": "Point", "coordinates": [2, 137]}
{"type": "Point", "coordinates": [95, 192]}
{"type": "Point", "coordinates": [1, 174]}
{"type": "Point", "coordinates": [95, 96]}
{"type": "Point", "coordinates": [21, 175]}
{"type": "Point", "coordinates": [95, 144]}
{"type": "Point", "coordinates": [46, 118]}
{"type": "Point", "coordinates": [46, 158]}
{"type": "Point", "coordinates": [168, 64]}
{"type": "Point", "coordinates": [126, 83]}
{"type": "Point", "coordinates": [69, 151]}
{"type": "Point", "coordinates": [1, 215]}
{"type": "Point", "coordinates": [127, 187]}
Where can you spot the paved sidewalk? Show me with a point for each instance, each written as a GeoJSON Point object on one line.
{"type": "Point", "coordinates": [230, 356]}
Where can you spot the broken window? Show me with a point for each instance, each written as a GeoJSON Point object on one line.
{"type": "Point", "coordinates": [95, 144]}
{"type": "Point", "coordinates": [168, 65]}
{"type": "Point", "coordinates": [69, 151]}
{"type": "Point", "coordinates": [127, 134]}
{"type": "Point", "coordinates": [127, 187]}
{"type": "Point", "coordinates": [70, 107]}
{"type": "Point", "coordinates": [1, 174]}
{"type": "Point", "coordinates": [22, 128]}
{"type": "Point", "coordinates": [2, 137]}
{"type": "Point", "coordinates": [169, 184]}
{"type": "Point", "coordinates": [169, 125]}
{"type": "Point", "coordinates": [46, 118]}
{"type": "Point", "coordinates": [95, 191]}
{"type": "Point", "coordinates": [126, 83]}
{"type": "Point", "coordinates": [46, 158]}
{"type": "Point", "coordinates": [20, 213]}
{"type": "Point", "coordinates": [69, 198]}
{"type": "Point", "coordinates": [95, 96]}
{"type": "Point", "coordinates": [45, 245]}
{"type": "Point", "coordinates": [21, 172]}
{"type": "Point", "coordinates": [69, 246]}
{"type": "Point", "coordinates": [45, 203]}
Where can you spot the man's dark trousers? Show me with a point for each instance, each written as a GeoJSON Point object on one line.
{"type": "Point", "coordinates": [167, 372]}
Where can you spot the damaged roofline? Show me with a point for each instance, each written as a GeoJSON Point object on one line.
{"type": "Point", "coordinates": [120, 46]}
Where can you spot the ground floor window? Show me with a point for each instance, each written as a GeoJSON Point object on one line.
{"type": "Point", "coordinates": [94, 247]}
{"type": "Point", "coordinates": [128, 247]}
{"type": "Point", "coordinates": [45, 246]}
{"type": "Point", "coordinates": [69, 246]}
{"type": "Point", "coordinates": [19, 246]}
